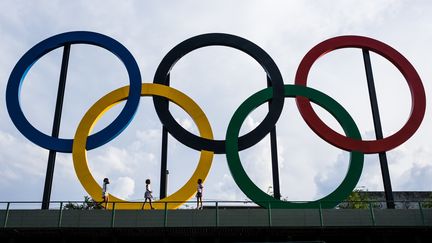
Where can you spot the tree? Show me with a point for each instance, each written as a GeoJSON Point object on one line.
{"type": "Point", "coordinates": [357, 200]}
{"type": "Point", "coordinates": [271, 193]}
{"type": "Point", "coordinates": [428, 202]}
{"type": "Point", "coordinates": [88, 204]}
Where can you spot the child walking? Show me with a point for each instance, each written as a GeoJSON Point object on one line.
{"type": "Point", "coordinates": [147, 195]}
{"type": "Point", "coordinates": [105, 194]}
{"type": "Point", "coordinates": [199, 194]}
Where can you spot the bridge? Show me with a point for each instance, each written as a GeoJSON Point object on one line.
{"type": "Point", "coordinates": [218, 221]}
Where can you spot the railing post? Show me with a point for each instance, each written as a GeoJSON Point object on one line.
{"type": "Point", "coordinates": [421, 213]}
{"type": "Point", "coordinates": [113, 215]}
{"type": "Point", "coordinates": [60, 215]}
{"type": "Point", "coordinates": [217, 214]}
{"type": "Point", "coordinates": [6, 215]}
{"type": "Point", "coordinates": [166, 215]}
{"type": "Point", "coordinates": [320, 214]}
{"type": "Point", "coordinates": [372, 214]}
{"type": "Point", "coordinates": [269, 215]}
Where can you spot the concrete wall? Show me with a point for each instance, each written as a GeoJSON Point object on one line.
{"type": "Point", "coordinates": [214, 218]}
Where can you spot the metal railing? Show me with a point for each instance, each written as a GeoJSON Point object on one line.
{"type": "Point", "coordinates": [216, 214]}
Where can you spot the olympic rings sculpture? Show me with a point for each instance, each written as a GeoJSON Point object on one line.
{"type": "Point", "coordinates": [162, 92]}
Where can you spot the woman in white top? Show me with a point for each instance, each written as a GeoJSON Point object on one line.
{"type": "Point", "coordinates": [105, 191]}
{"type": "Point", "coordinates": [199, 194]}
{"type": "Point", "coordinates": [147, 195]}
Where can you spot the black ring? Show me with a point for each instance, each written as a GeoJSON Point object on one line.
{"type": "Point", "coordinates": [219, 39]}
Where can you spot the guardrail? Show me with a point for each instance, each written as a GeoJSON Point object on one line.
{"type": "Point", "coordinates": [216, 214]}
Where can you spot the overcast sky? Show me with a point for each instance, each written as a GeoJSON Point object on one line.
{"type": "Point", "coordinates": [219, 79]}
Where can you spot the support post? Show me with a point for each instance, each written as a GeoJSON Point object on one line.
{"type": "Point", "coordinates": [422, 213]}
{"type": "Point", "coordinates": [60, 217]}
{"type": "Point", "coordinates": [56, 127]}
{"type": "Point", "coordinates": [164, 158]}
{"type": "Point", "coordinates": [163, 172]}
{"type": "Point", "coordinates": [274, 156]}
{"type": "Point", "coordinates": [217, 213]}
{"type": "Point", "coordinates": [269, 214]}
{"type": "Point", "coordinates": [372, 214]}
{"type": "Point", "coordinates": [113, 215]}
{"type": "Point", "coordinates": [165, 215]}
{"type": "Point", "coordinates": [378, 130]}
{"type": "Point", "coordinates": [321, 214]}
{"type": "Point", "coordinates": [6, 215]}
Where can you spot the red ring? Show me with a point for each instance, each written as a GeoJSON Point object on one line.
{"type": "Point", "coordinates": [418, 96]}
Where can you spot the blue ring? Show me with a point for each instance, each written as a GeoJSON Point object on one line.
{"type": "Point", "coordinates": [77, 37]}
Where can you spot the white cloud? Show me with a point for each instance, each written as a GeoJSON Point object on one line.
{"type": "Point", "coordinates": [411, 168]}
{"type": "Point", "coordinates": [405, 173]}
{"type": "Point", "coordinates": [20, 160]}
{"type": "Point", "coordinates": [187, 124]}
{"type": "Point", "coordinates": [222, 190]}
{"type": "Point", "coordinates": [217, 79]}
{"type": "Point", "coordinates": [417, 178]}
{"type": "Point", "coordinates": [123, 187]}
{"type": "Point", "coordinates": [114, 159]}
{"type": "Point", "coordinates": [148, 135]}
{"type": "Point", "coordinates": [250, 123]}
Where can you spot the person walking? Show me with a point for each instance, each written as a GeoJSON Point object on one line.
{"type": "Point", "coordinates": [105, 194]}
{"type": "Point", "coordinates": [199, 194]}
{"type": "Point", "coordinates": [147, 195]}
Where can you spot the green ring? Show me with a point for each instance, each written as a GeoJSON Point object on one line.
{"type": "Point", "coordinates": [257, 195]}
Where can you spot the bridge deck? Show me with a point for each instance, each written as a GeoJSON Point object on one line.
{"type": "Point", "coordinates": [225, 217]}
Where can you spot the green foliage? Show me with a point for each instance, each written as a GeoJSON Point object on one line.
{"type": "Point", "coordinates": [357, 200]}
{"type": "Point", "coordinates": [428, 203]}
{"type": "Point", "coordinates": [270, 192]}
{"type": "Point", "coordinates": [88, 204]}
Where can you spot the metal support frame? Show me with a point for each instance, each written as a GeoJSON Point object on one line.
{"type": "Point", "coordinates": [378, 129]}
{"type": "Point", "coordinates": [422, 213]}
{"type": "Point", "coordinates": [164, 158]}
{"type": "Point", "coordinates": [372, 214]}
{"type": "Point", "coordinates": [320, 212]}
{"type": "Point", "coordinates": [56, 127]}
{"type": "Point", "coordinates": [60, 216]}
{"type": "Point", "coordinates": [269, 215]}
{"type": "Point", "coordinates": [274, 156]}
{"type": "Point", "coordinates": [166, 214]}
{"type": "Point", "coordinates": [217, 213]}
{"type": "Point", "coordinates": [6, 215]}
{"type": "Point", "coordinates": [113, 215]}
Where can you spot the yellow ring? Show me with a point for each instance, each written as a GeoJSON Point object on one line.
{"type": "Point", "coordinates": [79, 152]}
